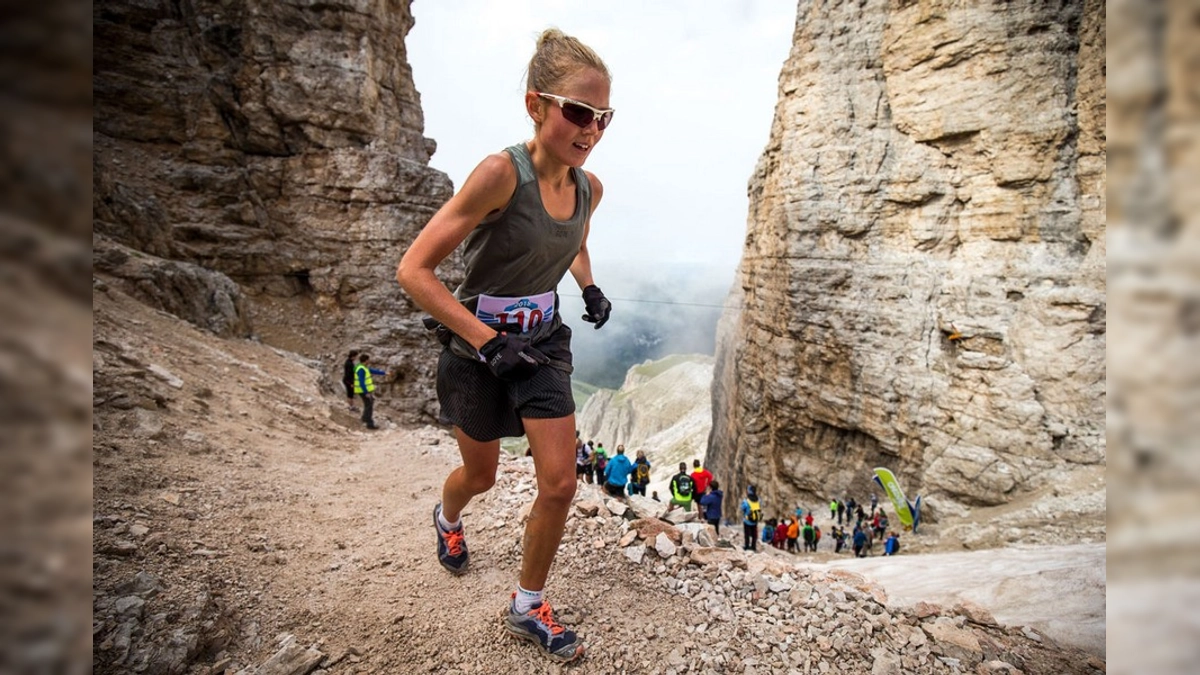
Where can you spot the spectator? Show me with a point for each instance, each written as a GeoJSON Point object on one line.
{"type": "Point", "coordinates": [892, 545]}
{"type": "Point", "coordinates": [751, 511]}
{"type": "Point", "coordinates": [780, 537]}
{"type": "Point", "coordinates": [616, 473]}
{"type": "Point", "coordinates": [681, 490]}
{"type": "Point", "coordinates": [583, 460]}
{"type": "Point", "coordinates": [711, 503]}
{"type": "Point", "coordinates": [640, 477]}
{"type": "Point", "coordinates": [599, 462]}
{"type": "Point", "coordinates": [589, 472]}
{"type": "Point", "coordinates": [701, 477]}
{"type": "Point", "coordinates": [364, 386]}
{"type": "Point", "coordinates": [860, 542]}
{"type": "Point", "coordinates": [348, 378]}
{"type": "Point", "coordinates": [793, 535]}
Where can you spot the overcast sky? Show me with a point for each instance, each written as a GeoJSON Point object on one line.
{"type": "Point", "coordinates": [694, 87]}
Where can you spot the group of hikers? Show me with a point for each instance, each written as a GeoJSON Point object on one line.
{"type": "Point", "coordinates": [620, 476]}
{"type": "Point", "coordinates": [788, 532]}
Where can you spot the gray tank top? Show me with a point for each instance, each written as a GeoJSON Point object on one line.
{"type": "Point", "coordinates": [522, 251]}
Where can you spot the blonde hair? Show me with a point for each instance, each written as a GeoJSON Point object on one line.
{"type": "Point", "coordinates": [557, 57]}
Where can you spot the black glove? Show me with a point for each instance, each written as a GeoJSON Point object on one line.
{"type": "Point", "coordinates": [598, 306]}
{"type": "Point", "coordinates": [511, 357]}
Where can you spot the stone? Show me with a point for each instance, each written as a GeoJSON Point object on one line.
{"type": "Point", "coordinates": [649, 528]}
{"type": "Point", "coordinates": [975, 613]}
{"type": "Point", "coordinates": [664, 546]}
{"type": "Point", "coordinates": [997, 668]}
{"type": "Point", "coordinates": [616, 507]}
{"type": "Point", "coordinates": [959, 643]}
{"type": "Point", "coordinates": [885, 662]}
{"type": "Point", "coordinates": [635, 553]}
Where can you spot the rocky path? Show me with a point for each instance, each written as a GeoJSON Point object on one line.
{"type": "Point", "coordinates": [242, 523]}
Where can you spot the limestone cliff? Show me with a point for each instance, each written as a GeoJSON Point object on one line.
{"type": "Point", "coordinates": [923, 279]}
{"type": "Point", "coordinates": [663, 407]}
{"type": "Point", "coordinates": [277, 144]}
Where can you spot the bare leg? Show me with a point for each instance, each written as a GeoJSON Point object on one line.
{"type": "Point", "coordinates": [476, 475]}
{"type": "Point", "coordinates": [553, 444]}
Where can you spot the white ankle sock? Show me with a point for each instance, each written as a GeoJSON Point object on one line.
{"type": "Point", "coordinates": [447, 525]}
{"type": "Point", "coordinates": [525, 600]}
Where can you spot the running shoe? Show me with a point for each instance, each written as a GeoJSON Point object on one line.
{"type": "Point", "coordinates": [452, 548]}
{"type": "Point", "coordinates": [539, 627]}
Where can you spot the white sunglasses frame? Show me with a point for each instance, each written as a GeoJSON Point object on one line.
{"type": "Point", "coordinates": [597, 113]}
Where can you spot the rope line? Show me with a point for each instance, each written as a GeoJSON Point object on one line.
{"type": "Point", "coordinates": [673, 302]}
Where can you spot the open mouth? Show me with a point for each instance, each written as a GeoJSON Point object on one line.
{"type": "Point", "coordinates": [583, 146]}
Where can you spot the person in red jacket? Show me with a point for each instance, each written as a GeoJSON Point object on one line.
{"type": "Point", "coordinates": [780, 538]}
{"type": "Point", "coordinates": [701, 477]}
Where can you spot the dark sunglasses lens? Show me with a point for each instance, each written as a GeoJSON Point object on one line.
{"type": "Point", "coordinates": [576, 114]}
{"type": "Point", "coordinates": [604, 120]}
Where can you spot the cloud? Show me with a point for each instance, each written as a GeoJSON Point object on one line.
{"type": "Point", "coordinates": [690, 124]}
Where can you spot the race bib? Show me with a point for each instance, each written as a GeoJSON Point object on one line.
{"type": "Point", "coordinates": [525, 312]}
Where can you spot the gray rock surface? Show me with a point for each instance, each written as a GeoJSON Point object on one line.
{"type": "Point", "coordinates": [281, 145]}
{"type": "Point", "coordinates": [923, 283]}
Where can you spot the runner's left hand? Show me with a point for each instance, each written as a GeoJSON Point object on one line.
{"type": "Point", "coordinates": [598, 306]}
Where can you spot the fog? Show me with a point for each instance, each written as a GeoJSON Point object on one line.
{"type": "Point", "coordinates": [658, 309]}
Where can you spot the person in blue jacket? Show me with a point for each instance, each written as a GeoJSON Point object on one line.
{"type": "Point", "coordinates": [711, 503]}
{"type": "Point", "coordinates": [892, 545]}
{"type": "Point", "coordinates": [751, 510]}
{"type": "Point", "coordinates": [616, 473]}
{"type": "Point", "coordinates": [860, 543]}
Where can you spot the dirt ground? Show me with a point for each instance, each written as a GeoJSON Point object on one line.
{"type": "Point", "coordinates": [237, 502]}
{"type": "Point", "coordinates": [262, 507]}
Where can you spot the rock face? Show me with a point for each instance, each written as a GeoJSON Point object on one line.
{"type": "Point", "coordinates": [281, 145]}
{"type": "Point", "coordinates": [923, 280]}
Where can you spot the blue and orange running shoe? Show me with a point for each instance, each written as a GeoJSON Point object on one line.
{"type": "Point", "coordinates": [539, 627]}
{"type": "Point", "coordinates": [452, 547]}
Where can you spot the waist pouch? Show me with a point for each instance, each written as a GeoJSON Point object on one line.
{"type": "Point", "coordinates": [552, 338]}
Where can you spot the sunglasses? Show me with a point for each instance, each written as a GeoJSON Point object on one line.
{"type": "Point", "coordinates": [579, 113]}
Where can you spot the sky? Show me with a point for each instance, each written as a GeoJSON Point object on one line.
{"type": "Point", "coordinates": [694, 88]}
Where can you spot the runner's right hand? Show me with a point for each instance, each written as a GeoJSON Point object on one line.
{"type": "Point", "coordinates": [511, 358]}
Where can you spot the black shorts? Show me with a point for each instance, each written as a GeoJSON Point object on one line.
{"type": "Point", "coordinates": [614, 489]}
{"type": "Point", "coordinates": [487, 408]}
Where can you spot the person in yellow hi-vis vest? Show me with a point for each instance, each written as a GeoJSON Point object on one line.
{"type": "Point", "coordinates": [364, 386]}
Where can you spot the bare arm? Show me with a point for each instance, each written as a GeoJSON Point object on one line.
{"type": "Point", "coordinates": [487, 189]}
{"type": "Point", "coordinates": [581, 267]}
